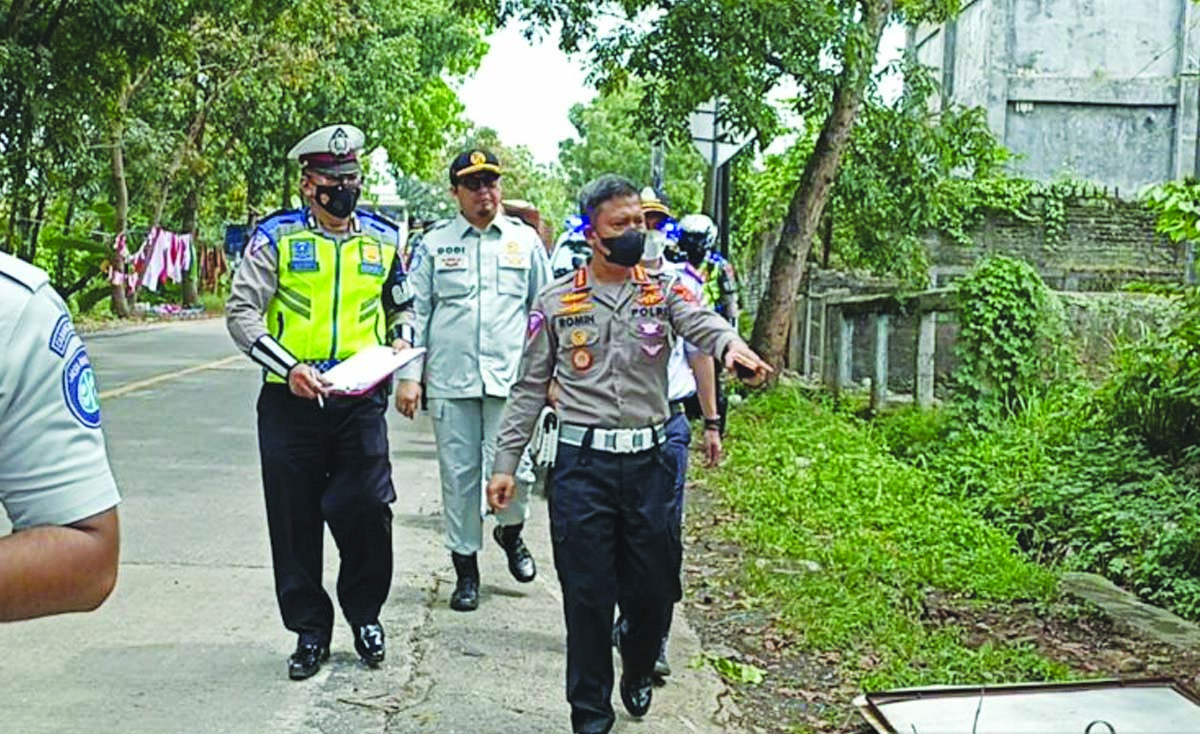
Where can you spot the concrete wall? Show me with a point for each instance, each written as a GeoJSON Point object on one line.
{"type": "Point", "coordinates": [971, 55]}
{"type": "Point", "coordinates": [1103, 90]}
{"type": "Point", "coordinates": [1126, 146]}
{"type": "Point", "coordinates": [1096, 39]}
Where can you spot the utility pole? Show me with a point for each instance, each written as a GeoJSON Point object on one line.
{"type": "Point", "coordinates": [658, 164]}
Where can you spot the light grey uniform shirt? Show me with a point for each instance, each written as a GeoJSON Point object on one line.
{"type": "Point", "coordinates": [53, 466]}
{"type": "Point", "coordinates": [608, 347]}
{"type": "Point", "coordinates": [472, 293]}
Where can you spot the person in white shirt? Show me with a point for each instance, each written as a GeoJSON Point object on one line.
{"type": "Point", "coordinates": [55, 481]}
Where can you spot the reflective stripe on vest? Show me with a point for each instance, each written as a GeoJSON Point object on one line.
{"type": "Point", "coordinates": [327, 304]}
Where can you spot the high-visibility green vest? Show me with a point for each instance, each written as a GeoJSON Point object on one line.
{"type": "Point", "coordinates": [327, 305]}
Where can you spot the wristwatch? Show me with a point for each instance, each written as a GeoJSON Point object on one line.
{"type": "Point", "coordinates": [712, 424]}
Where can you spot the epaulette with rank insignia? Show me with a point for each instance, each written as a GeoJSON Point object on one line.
{"type": "Point", "coordinates": [579, 298]}
{"type": "Point", "coordinates": [439, 224]}
{"type": "Point", "coordinates": [684, 292]}
{"type": "Point", "coordinates": [652, 294]}
{"type": "Point", "coordinates": [29, 277]}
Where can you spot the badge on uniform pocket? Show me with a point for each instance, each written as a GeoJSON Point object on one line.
{"type": "Point", "coordinates": [512, 257]}
{"type": "Point", "coordinates": [370, 258]}
{"type": "Point", "coordinates": [582, 359]}
{"type": "Point", "coordinates": [303, 257]}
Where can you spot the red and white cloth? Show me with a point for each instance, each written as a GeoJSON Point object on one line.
{"type": "Point", "coordinates": [163, 256]}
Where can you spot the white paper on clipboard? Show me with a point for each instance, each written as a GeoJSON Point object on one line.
{"type": "Point", "coordinates": [367, 368]}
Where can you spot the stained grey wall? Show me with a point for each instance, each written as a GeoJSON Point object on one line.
{"type": "Point", "coordinates": [1104, 90]}
{"type": "Point", "coordinates": [1124, 146]}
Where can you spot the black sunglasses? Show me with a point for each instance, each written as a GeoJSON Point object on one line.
{"type": "Point", "coordinates": [475, 183]}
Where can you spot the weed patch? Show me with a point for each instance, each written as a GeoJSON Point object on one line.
{"type": "Point", "coordinates": [847, 541]}
{"type": "Point", "coordinates": [1076, 492]}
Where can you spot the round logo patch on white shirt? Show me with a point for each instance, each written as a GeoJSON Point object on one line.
{"type": "Point", "coordinates": [79, 389]}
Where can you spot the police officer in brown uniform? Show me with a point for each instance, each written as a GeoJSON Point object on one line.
{"type": "Point", "coordinates": [605, 333]}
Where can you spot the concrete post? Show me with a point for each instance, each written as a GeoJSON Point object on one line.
{"type": "Point", "coordinates": [795, 356]}
{"type": "Point", "coordinates": [1187, 113]}
{"type": "Point", "coordinates": [823, 344]}
{"type": "Point", "coordinates": [924, 369]}
{"type": "Point", "coordinates": [879, 375]}
{"type": "Point", "coordinates": [998, 62]}
{"type": "Point", "coordinates": [806, 365]}
{"type": "Point", "coordinates": [843, 354]}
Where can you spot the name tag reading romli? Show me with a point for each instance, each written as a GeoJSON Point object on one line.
{"type": "Point", "coordinates": [366, 369]}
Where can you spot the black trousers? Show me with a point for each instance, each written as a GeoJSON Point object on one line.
{"type": "Point", "coordinates": [327, 466]}
{"type": "Point", "coordinates": [616, 540]}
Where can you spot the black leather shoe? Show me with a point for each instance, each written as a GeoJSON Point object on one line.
{"type": "Point", "coordinates": [466, 590]}
{"type": "Point", "coordinates": [306, 661]}
{"type": "Point", "coordinates": [520, 560]}
{"type": "Point", "coordinates": [636, 692]}
{"type": "Point", "coordinates": [368, 642]}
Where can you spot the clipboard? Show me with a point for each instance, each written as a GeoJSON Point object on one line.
{"type": "Point", "coordinates": [366, 369]}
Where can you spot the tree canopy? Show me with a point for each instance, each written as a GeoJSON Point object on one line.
{"type": "Point", "coordinates": [744, 52]}
{"type": "Point", "coordinates": [119, 116]}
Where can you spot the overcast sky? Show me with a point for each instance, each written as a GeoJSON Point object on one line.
{"type": "Point", "coordinates": [524, 90]}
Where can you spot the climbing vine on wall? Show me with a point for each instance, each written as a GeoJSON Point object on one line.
{"type": "Point", "coordinates": [1008, 321]}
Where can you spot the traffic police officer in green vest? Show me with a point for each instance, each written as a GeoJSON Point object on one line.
{"type": "Point", "coordinates": [317, 285]}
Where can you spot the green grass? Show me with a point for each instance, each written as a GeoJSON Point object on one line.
{"type": "Point", "coordinates": [809, 484]}
{"type": "Point", "coordinates": [1074, 490]}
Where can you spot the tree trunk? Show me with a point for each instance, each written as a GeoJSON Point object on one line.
{"type": "Point", "coordinates": [190, 206]}
{"type": "Point", "coordinates": [284, 192]}
{"type": "Point", "coordinates": [775, 312]}
{"type": "Point", "coordinates": [194, 132]}
{"type": "Point", "coordinates": [121, 204]}
{"type": "Point", "coordinates": [35, 230]}
{"type": "Point", "coordinates": [60, 275]}
{"type": "Point", "coordinates": [827, 237]}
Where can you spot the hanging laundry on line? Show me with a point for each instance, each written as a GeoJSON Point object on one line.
{"type": "Point", "coordinates": [163, 256]}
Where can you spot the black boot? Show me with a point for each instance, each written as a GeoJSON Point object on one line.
{"type": "Point", "coordinates": [466, 591]}
{"type": "Point", "coordinates": [520, 560]}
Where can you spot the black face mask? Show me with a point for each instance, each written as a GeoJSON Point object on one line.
{"type": "Point", "coordinates": [626, 250]}
{"type": "Point", "coordinates": [338, 200]}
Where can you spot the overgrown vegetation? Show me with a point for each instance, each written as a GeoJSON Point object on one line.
{"type": "Point", "coordinates": [849, 540]}
{"type": "Point", "coordinates": [1103, 479]}
{"type": "Point", "coordinates": [1008, 324]}
{"type": "Point", "coordinates": [1034, 467]}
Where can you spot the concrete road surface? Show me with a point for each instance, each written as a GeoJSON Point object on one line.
{"type": "Point", "coordinates": [191, 640]}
